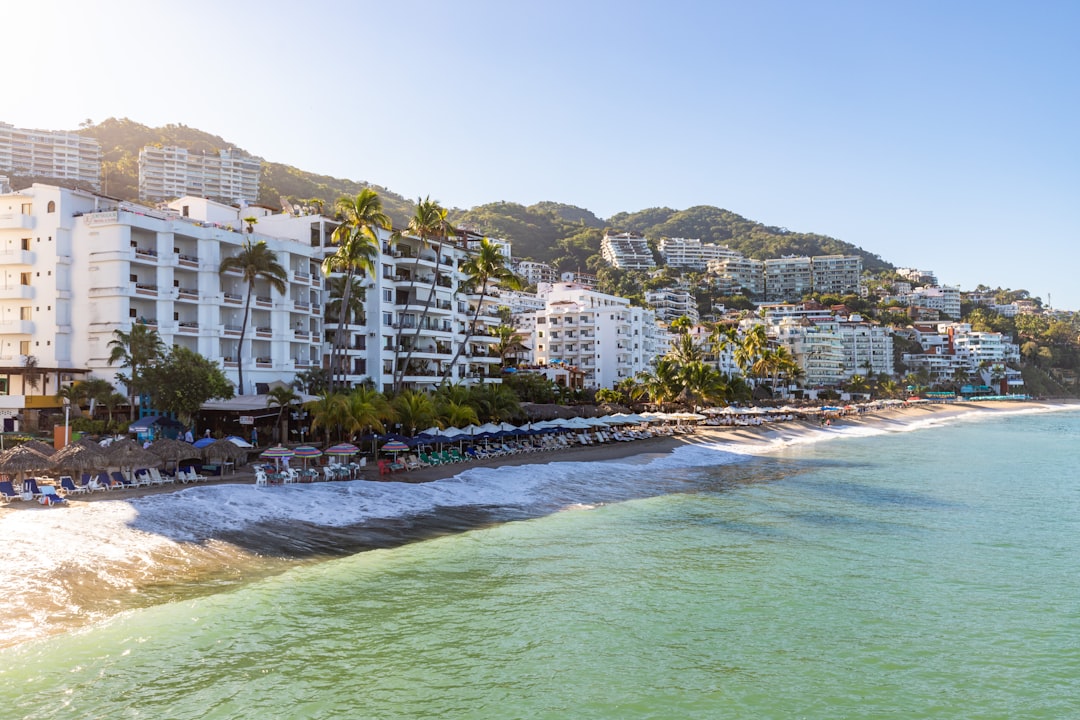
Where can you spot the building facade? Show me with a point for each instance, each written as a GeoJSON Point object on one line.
{"type": "Point", "coordinates": [692, 253]}
{"type": "Point", "coordinates": [836, 274]}
{"type": "Point", "coordinates": [170, 172]}
{"type": "Point", "coordinates": [627, 251]}
{"type": "Point", "coordinates": [673, 303]}
{"type": "Point", "coordinates": [50, 154]}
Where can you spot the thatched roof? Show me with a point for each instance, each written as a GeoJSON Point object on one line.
{"type": "Point", "coordinates": [22, 459]}
{"type": "Point", "coordinates": [168, 449]}
{"type": "Point", "coordinates": [224, 450]}
{"type": "Point", "coordinates": [79, 456]}
{"type": "Point", "coordinates": [130, 454]}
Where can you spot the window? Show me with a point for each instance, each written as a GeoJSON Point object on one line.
{"type": "Point", "coordinates": [51, 207]}
{"type": "Point", "coordinates": [388, 295]}
{"type": "Point", "coordinates": [27, 208]}
{"type": "Point", "coordinates": [387, 319]}
{"type": "Point", "coordinates": [24, 347]}
{"type": "Point", "coordinates": [25, 313]}
{"type": "Point", "coordinates": [24, 278]}
{"type": "Point", "coordinates": [25, 243]}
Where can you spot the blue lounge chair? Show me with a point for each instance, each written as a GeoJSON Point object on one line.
{"type": "Point", "coordinates": [49, 496]}
{"type": "Point", "coordinates": [30, 485]}
{"type": "Point", "coordinates": [68, 486]}
{"type": "Point", "coordinates": [119, 481]}
{"type": "Point", "coordinates": [7, 492]}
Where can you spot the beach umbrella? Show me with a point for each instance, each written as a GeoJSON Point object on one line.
{"type": "Point", "coordinates": [394, 446]}
{"type": "Point", "coordinates": [342, 449]}
{"type": "Point", "coordinates": [240, 442]}
{"type": "Point", "coordinates": [203, 442]}
{"type": "Point", "coordinates": [130, 454]}
{"type": "Point", "coordinates": [39, 446]}
{"type": "Point", "coordinates": [79, 456]}
{"type": "Point", "coordinates": [21, 459]}
{"type": "Point", "coordinates": [305, 452]}
{"type": "Point", "coordinates": [276, 453]}
{"type": "Point", "coordinates": [222, 450]}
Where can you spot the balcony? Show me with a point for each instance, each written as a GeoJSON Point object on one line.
{"type": "Point", "coordinates": [232, 330]}
{"type": "Point", "coordinates": [146, 289]}
{"type": "Point", "coordinates": [17, 327]}
{"type": "Point", "coordinates": [187, 260]}
{"type": "Point", "coordinates": [16, 221]}
{"type": "Point", "coordinates": [263, 301]}
{"type": "Point", "coordinates": [17, 257]}
{"type": "Point", "coordinates": [264, 332]}
{"type": "Point", "coordinates": [17, 292]}
{"type": "Point", "coordinates": [264, 362]}
{"type": "Point", "coordinates": [234, 298]}
{"type": "Point", "coordinates": [191, 327]}
{"type": "Point", "coordinates": [187, 294]}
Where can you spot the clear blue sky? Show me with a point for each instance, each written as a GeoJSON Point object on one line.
{"type": "Point", "coordinates": [939, 135]}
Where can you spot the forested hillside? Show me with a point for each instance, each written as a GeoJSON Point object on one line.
{"type": "Point", "coordinates": [564, 234]}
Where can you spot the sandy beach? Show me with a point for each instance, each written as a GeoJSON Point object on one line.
{"type": "Point", "coordinates": [763, 434]}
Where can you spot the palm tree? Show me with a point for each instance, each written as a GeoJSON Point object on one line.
{"type": "Point", "coordinates": [662, 382]}
{"type": "Point", "coordinates": [684, 350]}
{"type": "Point", "coordinates": [358, 248]}
{"type": "Point", "coordinates": [31, 373]}
{"type": "Point", "coordinates": [429, 223]}
{"type": "Point", "coordinates": [415, 409]}
{"type": "Point", "coordinates": [354, 311]}
{"type": "Point", "coordinates": [486, 265]}
{"type": "Point", "coordinates": [255, 262]}
{"type": "Point", "coordinates": [509, 343]}
{"type": "Point", "coordinates": [368, 409]}
{"type": "Point", "coordinates": [329, 411]}
{"type": "Point", "coordinates": [494, 402]}
{"type": "Point", "coordinates": [719, 338]}
{"type": "Point", "coordinates": [750, 349]}
{"type": "Point", "coordinates": [135, 350]}
{"type": "Point", "coordinates": [702, 384]}
{"type": "Point", "coordinates": [282, 398]}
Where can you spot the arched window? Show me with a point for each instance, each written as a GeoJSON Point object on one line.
{"type": "Point", "coordinates": [51, 207]}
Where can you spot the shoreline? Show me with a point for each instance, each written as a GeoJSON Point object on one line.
{"type": "Point", "coordinates": [763, 435]}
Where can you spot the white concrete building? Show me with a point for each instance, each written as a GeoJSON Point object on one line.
{"type": "Point", "coordinates": [788, 278]}
{"type": "Point", "coordinates": [739, 276]}
{"type": "Point", "coordinates": [868, 348]}
{"type": "Point", "coordinates": [692, 253]}
{"type": "Point", "coordinates": [949, 348]}
{"type": "Point", "coordinates": [942, 298]}
{"type": "Point", "coordinates": [817, 346]}
{"type": "Point", "coordinates": [627, 251]}
{"type": "Point", "coordinates": [50, 154]}
{"type": "Point", "coordinates": [836, 274]}
{"type": "Point", "coordinates": [603, 335]}
{"type": "Point", "coordinates": [672, 303]}
{"type": "Point", "coordinates": [78, 267]}
{"type": "Point", "coordinates": [170, 172]}
{"type": "Point", "coordinates": [534, 273]}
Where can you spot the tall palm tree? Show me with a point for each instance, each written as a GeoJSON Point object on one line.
{"type": "Point", "coordinates": [662, 382]}
{"type": "Point", "coordinates": [358, 248]}
{"type": "Point", "coordinates": [509, 343]}
{"type": "Point", "coordinates": [430, 225]}
{"type": "Point", "coordinates": [135, 350]}
{"type": "Point", "coordinates": [721, 337]}
{"type": "Point", "coordinates": [31, 373]}
{"type": "Point", "coordinates": [487, 264]}
{"type": "Point", "coordinates": [329, 412]}
{"type": "Point", "coordinates": [753, 344]}
{"type": "Point", "coordinates": [368, 409]}
{"type": "Point", "coordinates": [684, 350]}
{"type": "Point", "coordinates": [702, 384]}
{"type": "Point", "coordinates": [415, 410]}
{"type": "Point", "coordinates": [354, 311]}
{"type": "Point", "coordinates": [494, 402]}
{"type": "Point", "coordinates": [255, 262]}
{"type": "Point", "coordinates": [283, 398]}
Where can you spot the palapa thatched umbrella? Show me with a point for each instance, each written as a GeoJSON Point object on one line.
{"type": "Point", "coordinates": [220, 450]}
{"type": "Point", "coordinates": [43, 448]}
{"type": "Point", "coordinates": [169, 450]}
{"type": "Point", "coordinates": [77, 456]}
{"type": "Point", "coordinates": [21, 460]}
{"type": "Point", "coordinates": [130, 454]}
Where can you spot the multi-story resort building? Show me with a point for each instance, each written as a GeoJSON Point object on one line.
{"type": "Point", "coordinates": [836, 274]}
{"type": "Point", "coordinates": [603, 335]}
{"type": "Point", "coordinates": [627, 251]}
{"type": "Point", "coordinates": [50, 154]}
{"type": "Point", "coordinates": [672, 303]}
{"type": "Point", "coordinates": [692, 253]}
{"type": "Point", "coordinates": [171, 172]}
{"type": "Point", "coordinates": [953, 350]}
{"type": "Point", "coordinates": [942, 298]}
{"type": "Point", "coordinates": [78, 267]}
{"type": "Point", "coordinates": [534, 273]}
{"type": "Point", "coordinates": [741, 275]}
{"type": "Point", "coordinates": [788, 278]}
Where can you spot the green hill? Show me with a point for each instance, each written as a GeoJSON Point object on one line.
{"type": "Point", "coordinates": [548, 231]}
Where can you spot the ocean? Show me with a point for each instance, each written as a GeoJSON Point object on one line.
{"type": "Point", "coordinates": [922, 571]}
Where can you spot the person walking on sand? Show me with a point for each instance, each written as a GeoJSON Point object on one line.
{"type": "Point", "coordinates": [254, 437]}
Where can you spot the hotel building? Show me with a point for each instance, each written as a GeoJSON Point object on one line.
{"type": "Point", "coordinates": [49, 154]}
{"type": "Point", "coordinates": [170, 172]}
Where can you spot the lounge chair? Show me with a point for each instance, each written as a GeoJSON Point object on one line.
{"type": "Point", "coordinates": [7, 492]}
{"type": "Point", "coordinates": [68, 486]}
{"type": "Point", "coordinates": [119, 480]}
{"type": "Point", "coordinates": [49, 496]}
{"type": "Point", "coordinates": [193, 476]}
{"type": "Point", "coordinates": [30, 486]}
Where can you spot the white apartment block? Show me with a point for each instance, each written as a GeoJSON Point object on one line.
{"type": "Point", "coordinates": [721, 357]}
{"type": "Point", "coordinates": [581, 278]}
{"type": "Point", "coordinates": [788, 278]}
{"type": "Point", "coordinates": [836, 274]}
{"type": "Point", "coordinates": [627, 251]}
{"type": "Point", "coordinates": [868, 348]}
{"type": "Point", "coordinates": [534, 273]}
{"type": "Point", "coordinates": [949, 348]}
{"type": "Point", "coordinates": [78, 267]}
{"type": "Point", "coordinates": [170, 172]}
{"type": "Point", "coordinates": [603, 335]}
{"type": "Point", "coordinates": [739, 276]}
{"type": "Point", "coordinates": [692, 253]}
{"type": "Point", "coordinates": [817, 346]}
{"type": "Point", "coordinates": [673, 303]}
{"type": "Point", "coordinates": [918, 277]}
{"type": "Point", "coordinates": [519, 303]}
{"type": "Point", "coordinates": [942, 298]}
{"type": "Point", "coordinates": [49, 154]}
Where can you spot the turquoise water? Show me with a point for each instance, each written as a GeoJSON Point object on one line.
{"type": "Point", "coordinates": [917, 574]}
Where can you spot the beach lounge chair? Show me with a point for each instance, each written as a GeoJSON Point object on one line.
{"type": "Point", "coordinates": [141, 478]}
{"type": "Point", "coordinates": [193, 476]}
{"type": "Point", "coordinates": [119, 480]}
{"type": "Point", "coordinates": [49, 496]}
{"type": "Point", "coordinates": [68, 486]}
{"type": "Point", "coordinates": [30, 486]}
{"type": "Point", "coordinates": [7, 492]}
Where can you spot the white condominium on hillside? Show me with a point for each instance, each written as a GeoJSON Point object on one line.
{"type": "Point", "coordinates": [735, 276]}
{"type": "Point", "coordinates": [170, 172]}
{"type": "Point", "coordinates": [692, 253]}
{"type": "Point", "coordinates": [627, 251]}
{"type": "Point", "coordinates": [50, 154]}
{"type": "Point", "coordinates": [672, 303]}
